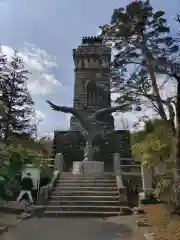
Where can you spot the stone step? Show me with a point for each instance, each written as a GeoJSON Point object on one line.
{"type": "Point", "coordinates": [84, 198]}
{"type": "Point", "coordinates": [55, 213]}
{"type": "Point", "coordinates": [87, 188]}
{"type": "Point", "coordinates": [88, 176]}
{"type": "Point", "coordinates": [86, 208]}
{"type": "Point", "coordinates": [70, 202]}
{"type": "Point", "coordinates": [84, 193]}
{"type": "Point", "coordinates": [138, 174]}
{"type": "Point", "coordinates": [85, 184]}
{"type": "Point", "coordinates": [132, 165]}
{"type": "Point", "coordinates": [95, 181]}
{"type": "Point", "coordinates": [79, 195]}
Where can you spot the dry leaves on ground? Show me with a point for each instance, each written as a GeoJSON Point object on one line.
{"type": "Point", "coordinates": [164, 225]}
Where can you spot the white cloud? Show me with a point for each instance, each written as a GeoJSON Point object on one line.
{"type": "Point", "coordinates": [40, 116]}
{"type": "Point", "coordinates": [48, 135]}
{"type": "Point", "coordinates": [40, 64]}
{"type": "Point", "coordinates": [98, 32]}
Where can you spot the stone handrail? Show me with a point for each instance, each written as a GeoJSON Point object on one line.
{"type": "Point", "coordinates": [44, 191]}
{"type": "Point", "coordinates": [121, 188]}
{"type": "Point", "coordinates": [53, 180]}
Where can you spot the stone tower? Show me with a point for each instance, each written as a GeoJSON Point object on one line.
{"type": "Point", "coordinates": [92, 80]}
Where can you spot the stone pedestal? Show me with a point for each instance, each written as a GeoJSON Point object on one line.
{"type": "Point", "coordinates": [146, 182]}
{"type": "Point", "coordinates": [117, 163]}
{"type": "Point", "coordinates": [58, 162]}
{"type": "Point", "coordinates": [77, 168]}
{"type": "Point", "coordinates": [146, 179]}
{"type": "Point", "coordinates": [93, 167]}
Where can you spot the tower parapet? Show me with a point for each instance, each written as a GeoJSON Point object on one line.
{"type": "Point", "coordinates": [92, 40]}
{"type": "Point", "coordinates": [92, 53]}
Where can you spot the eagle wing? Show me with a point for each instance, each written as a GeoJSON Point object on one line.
{"type": "Point", "coordinates": [106, 111]}
{"type": "Point", "coordinates": [76, 113]}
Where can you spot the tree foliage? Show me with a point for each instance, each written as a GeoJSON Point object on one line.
{"type": "Point", "coordinates": [144, 50]}
{"type": "Point", "coordinates": [154, 144]}
{"type": "Point", "coordinates": [17, 108]}
{"type": "Point", "coordinates": [154, 147]}
{"type": "Point", "coordinates": [17, 143]}
{"type": "Point", "coordinates": [13, 157]}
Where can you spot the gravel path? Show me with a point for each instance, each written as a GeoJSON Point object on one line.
{"type": "Point", "coordinates": [70, 229]}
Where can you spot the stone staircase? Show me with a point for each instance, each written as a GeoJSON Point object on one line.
{"type": "Point", "coordinates": [84, 196]}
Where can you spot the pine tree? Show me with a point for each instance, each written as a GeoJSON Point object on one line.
{"type": "Point", "coordinates": [143, 47]}
{"type": "Point", "coordinates": [3, 65]}
{"type": "Point", "coordinates": [16, 100]}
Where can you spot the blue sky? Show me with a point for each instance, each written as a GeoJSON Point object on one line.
{"type": "Point", "coordinates": [45, 32]}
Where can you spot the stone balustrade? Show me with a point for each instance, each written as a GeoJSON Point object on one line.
{"type": "Point", "coordinates": [45, 191]}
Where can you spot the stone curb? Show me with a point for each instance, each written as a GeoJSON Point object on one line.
{"type": "Point", "coordinates": [14, 224]}
{"type": "Point", "coordinates": [5, 209]}
{"type": "Point", "coordinates": [6, 228]}
{"type": "Point", "coordinates": [3, 229]}
{"type": "Point", "coordinates": [150, 236]}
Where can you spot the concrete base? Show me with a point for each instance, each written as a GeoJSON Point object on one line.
{"type": "Point", "coordinates": [88, 167]}
{"type": "Point", "coordinates": [77, 168]}
{"type": "Point", "coordinates": [93, 167]}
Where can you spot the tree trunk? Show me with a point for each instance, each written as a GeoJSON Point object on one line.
{"type": "Point", "coordinates": [6, 133]}
{"type": "Point", "coordinates": [155, 88]}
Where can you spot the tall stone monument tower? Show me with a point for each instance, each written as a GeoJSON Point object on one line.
{"type": "Point", "coordinates": [92, 92]}
{"type": "Point", "coordinates": [92, 80]}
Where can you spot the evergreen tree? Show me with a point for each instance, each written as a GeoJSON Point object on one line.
{"type": "Point", "coordinates": [3, 66]}
{"type": "Point", "coordinates": [16, 100]}
{"type": "Point", "coordinates": [143, 47]}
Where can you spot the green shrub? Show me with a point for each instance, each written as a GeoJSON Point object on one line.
{"type": "Point", "coordinates": [12, 159]}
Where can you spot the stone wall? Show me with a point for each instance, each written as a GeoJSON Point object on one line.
{"type": "Point", "coordinates": [120, 140]}
{"type": "Point", "coordinates": [70, 144]}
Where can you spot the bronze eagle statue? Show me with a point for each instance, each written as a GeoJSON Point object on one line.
{"type": "Point", "coordinates": [87, 121]}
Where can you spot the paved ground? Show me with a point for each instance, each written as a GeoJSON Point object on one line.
{"type": "Point", "coordinates": [70, 229]}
